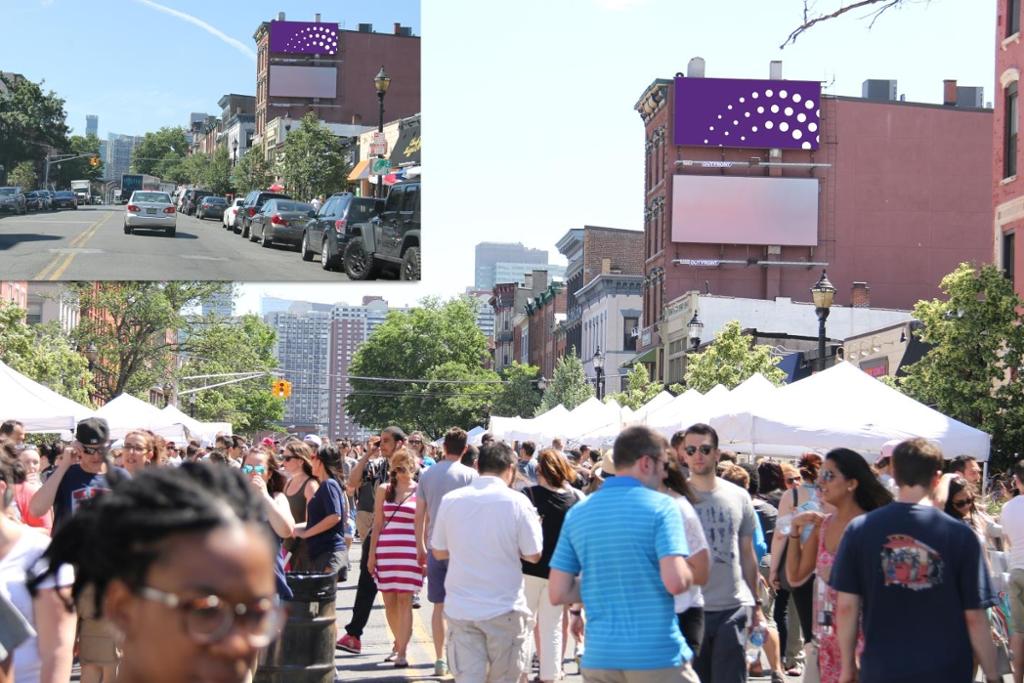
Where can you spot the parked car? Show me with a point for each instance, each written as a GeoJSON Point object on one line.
{"type": "Point", "coordinates": [65, 200]}
{"type": "Point", "coordinates": [211, 206]}
{"type": "Point", "coordinates": [252, 205]}
{"type": "Point", "coordinates": [195, 199]}
{"type": "Point", "coordinates": [390, 239]}
{"type": "Point", "coordinates": [188, 199]}
{"type": "Point", "coordinates": [35, 201]}
{"type": "Point", "coordinates": [13, 199]}
{"type": "Point", "coordinates": [48, 195]}
{"type": "Point", "coordinates": [327, 233]}
{"type": "Point", "coordinates": [280, 220]}
{"type": "Point", "coordinates": [150, 209]}
{"type": "Point", "coordinates": [231, 213]}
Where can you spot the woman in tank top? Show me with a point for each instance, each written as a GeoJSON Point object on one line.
{"type": "Point", "coordinates": [299, 491]}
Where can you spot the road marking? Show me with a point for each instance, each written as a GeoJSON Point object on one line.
{"type": "Point", "coordinates": [197, 257]}
{"type": "Point", "coordinates": [60, 263]}
{"type": "Point", "coordinates": [421, 633]}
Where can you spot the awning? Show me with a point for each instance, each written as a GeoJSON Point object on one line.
{"type": "Point", "coordinates": [648, 356]}
{"type": "Point", "coordinates": [361, 171]}
{"type": "Point", "coordinates": [407, 149]}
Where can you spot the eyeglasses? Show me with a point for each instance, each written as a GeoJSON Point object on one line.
{"type": "Point", "coordinates": [705, 449]}
{"type": "Point", "coordinates": [415, 441]}
{"type": "Point", "coordinates": [134, 447]}
{"type": "Point", "coordinates": [827, 475]}
{"type": "Point", "coordinates": [92, 450]}
{"type": "Point", "coordinates": [259, 469]}
{"type": "Point", "coordinates": [210, 619]}
{"type": "Point", "coordinates": [793, 480]}
{"type": "Point", "coordinates": [962, 503]}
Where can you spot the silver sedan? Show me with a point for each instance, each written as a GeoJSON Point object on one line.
{"type": "Point", "coordinates": [148, 209]}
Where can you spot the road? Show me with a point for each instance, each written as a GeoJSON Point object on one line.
{"type": "Point", "coordinates": [89, 244]}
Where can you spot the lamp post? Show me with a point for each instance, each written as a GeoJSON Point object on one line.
{"type": "Point", "coordinates": [381, 82]}
{"type": "Point", "coordinates": [823, 293]}
{"type": "Point", "coordinates": [91, 355]}
{"type": "Point", "coordinates": [599, 373]}
{"type": "Point", "coordinates": [234, 152]}
{"type": "Point", "coordinates": [696, 327]}
{"type": "Point", "coordinates": [542, 384]}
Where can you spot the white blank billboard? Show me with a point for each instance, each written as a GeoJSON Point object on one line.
{"type": "Point", "coordinates": [303, 81]}
{"type": "Point", "coordinates": [741, 210]}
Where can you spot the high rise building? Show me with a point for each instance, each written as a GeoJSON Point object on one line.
{"type": "Point", "coordinates": [119, 155]}
{"type": "Point", "coordinates": [270, 304]}
{"type": "Point", "coordinates": [489, 254]}
{"type": "Point", "coordinates": [302, 350]}
{"type": "Point", "coordinates": [92, 125]}
{"type": "Point", "coordinates": [221, 305]}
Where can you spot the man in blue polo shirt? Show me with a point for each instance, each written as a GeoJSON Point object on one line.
{"type": "Point", "coordinates": [627, 541]}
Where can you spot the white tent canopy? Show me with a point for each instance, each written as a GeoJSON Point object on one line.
{"type": "Point", "coordinates": [39, 408]}
{"type": "Point", "coordinates": [125, 412]}
{"type": "Point", "coordinates": [206, 431]}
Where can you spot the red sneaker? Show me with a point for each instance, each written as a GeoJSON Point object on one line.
{"type": "Point", "coordinates": [349, 643]}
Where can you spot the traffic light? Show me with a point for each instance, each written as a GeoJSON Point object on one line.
{"type": "Point", "coordinates": [281, 388]}
{"type": "Point", "coordinates": [94, 161]}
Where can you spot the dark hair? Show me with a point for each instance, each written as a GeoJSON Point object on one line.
{"type": "Point", "coordinates": [302, 451]}
{"type": "Point", "coordinates": [396, 433]}
{"type": "Point", "coordinates": [330, 457]}
{"type": "Point", "coordinates": [770, 474]}
{"type": "Point", "coordinates": [277, 480]}
{"type": "Point", "coordinates": [675, 480]}
{"type": "Point", "coordinates": [634, 443]}
{"type": "Point", "coordinates": [727, 456]}
{"type": "Point", "coordinates": [528, 447]}
{"type": "Point", "coordinates": [959, 485]}
{"type": "Point", "coordinates": [495, 458]}
{"type": "Point", "coordinates": [237, 441]}
{"type": "Point", "coordinates": [555, 467]}
{"type": "Point", "coordinates": [755, 478]}
{"type": "Point", "coordinates": [487, 438]}
{"type": "Point", "coordinates": [870, 493]}
{"type": "Point", "coordinates": [7, 428]}
{"type": "Point", "coordinates": [455, 441]}
{"type": "Point", "coordinates": [1018, 470]}
{"type": "Point", "coordinates": [810, 464]}
{"type": "Point", "coordinates": [915, 462]}
{"type": "Point", "coordinates": [959, 463]}
{"type": "Point", "coordinates": [12, 472]}
{"type": "Point", "coordinates": [119, 535]}
{"type": "Point", "coordinates": [703, 430]}
{"type": "Point", "coordinates": [677, 439]}
{"type": "Point", "coordinates": [469, 458]}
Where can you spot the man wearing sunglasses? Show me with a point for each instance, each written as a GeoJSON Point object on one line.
{"type": "Point", "coordinates": [728, 518]}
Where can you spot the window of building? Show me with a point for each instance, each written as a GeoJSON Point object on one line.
{"type": "Point", "coordinates": [1008, 246]}
{"type": "Point", "coordinates": [1010, 137]}
{"type": "Point", "coordinates": [628, 340]}
{"type": "Point", "coordinates": [1012, 17]}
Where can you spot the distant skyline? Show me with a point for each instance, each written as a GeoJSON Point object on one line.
{"type": "Point", "coordinates": [141, 65]}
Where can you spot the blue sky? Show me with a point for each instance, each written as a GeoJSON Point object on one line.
{"type": "Point", "coordinates": [139, 68]}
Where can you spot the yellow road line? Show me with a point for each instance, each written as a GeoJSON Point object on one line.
{"type": "Point", "coordinates": [52, 270]}
{"type": "Point", "coordinates": [423, 633]}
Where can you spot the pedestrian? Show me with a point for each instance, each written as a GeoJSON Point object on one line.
{"type": "Point", "coordinates": [315, 203]}
{"type": "Point", "coordinates": [485, 530]}
{"type": "Point", "coordinates": [324, 528]}
{"type": "Point", "coordinates": [299, 490]}
{"type": "Point", "coordinates": [968, 468]}
{"type": "Point", "coordinates": [180, 563]}
{"type": "Point", "coordinates": [419, 449]}
{"type": "Point", "coordinates": [23, 492]}
{"type": "Point", "coordinates": [138, 451]}
{"type": "Point", "coordinates": [961, 504]}
{"type": "Point", "coordinates": [1011, 517]}
{"type": "Point", "coordinates": [13, 431]}
{"type": "Point", "coordinates": [848, 485]}
{"type": "Point", "coordinates": [622, 554]}
{"type": "Point", "coordinates": [470, 457]}
{"type": "Point", "coordinates": [915, 578]}
{"type": "Point", "coordinates": [392, 561]}
{"type": "Point", "coordinates": [260, 468]}
{"type": "Point", "coordinates": [435, 483]}
{"type": "Point", "coordinates": [526, 465]}
{"type": "Point", "coordinates": [731, 605]}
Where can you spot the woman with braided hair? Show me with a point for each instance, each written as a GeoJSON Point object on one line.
{"type": "Point", "coordinates": [180, 561]}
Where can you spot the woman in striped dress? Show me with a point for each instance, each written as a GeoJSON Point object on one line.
{"type": "Point", "coordinates": [392, 558]}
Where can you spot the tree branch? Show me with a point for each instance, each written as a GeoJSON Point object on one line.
{"type": "Point", "coordinates": [808, 23]}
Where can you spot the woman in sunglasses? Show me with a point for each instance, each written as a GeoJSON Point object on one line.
{"type": "Point", "coordinates": [324, 528]}
{"type": "Point", "coordinates": [301, 486]}
{"type": "Point", "coordinates": [961, 504]}
{"type": "Point", "coordinates": [848, 485]}
{"type": "Point", "coordinates": [261, 469]}
{"type": "Point", "coordinates": [180, 562]}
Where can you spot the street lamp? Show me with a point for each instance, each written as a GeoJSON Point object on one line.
{"type": "Point", "coordinates": [381, 82]}
{"type": "Point", "coordinates": [696, 327]}
{"type": "Point", "coordinates": [823, 293]}
{"type": "Point", "coordinates": [599, 373]}
{"type": "Point", "coordinates": [234, 152]}
{"type": "Point", "coordinates": [542, 383]}
{"type": "Point", "coordinates": [91, 355]}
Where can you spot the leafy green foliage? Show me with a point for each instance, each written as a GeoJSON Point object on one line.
{"type": "Point", "coordinates": [569, 387]}
{"type": "Point", "coordinates": [43, 353]}
{"type": "Point", "coordinates": [24, 176]}
{"type": "Point", "coordinates": [640, 389]}
{"type": "Point", "coordinates": [216, 173]}
{"type": "Point", "coordinates": [252, 172]}
{"type": "Point", "coordinates": [519, 395]}
{"type": "Point", "coordinates": [971, 371]}
{"type": "Point", "coordinates": [313, 162]}
{"type": "Point", "coordinates": [63, 173]}
{"type": "Point", "coordinates": [30, 121]}
{"type": "Point", "coordinates": [730, 360]}
{"type": "Point", "coordinates": [161, 154]}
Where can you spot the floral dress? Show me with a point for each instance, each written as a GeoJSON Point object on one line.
{"type": "Point", "coordinates": [830, 661]}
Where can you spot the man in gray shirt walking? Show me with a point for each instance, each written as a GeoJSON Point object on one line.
{"type": "Point", "coordinates": [436, 481]}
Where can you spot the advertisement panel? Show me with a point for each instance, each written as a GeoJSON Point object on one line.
{"type": "Point", "coordinates": [303, 37]}
{"type": "Point", "coordinates": [303, 81]}
{"type": "Point", "coordinates": [734, 112]}
{"type": "Point", "coordinates": [743, 210]}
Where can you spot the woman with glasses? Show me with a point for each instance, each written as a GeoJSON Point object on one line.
{"type": "Point", "coordinates": [324, 528]}
{"type": "Point", "coordinates": [961, 504]}
{"type": "Point", "coordinates": [848, 485]}
{"type": "Point", "coordinates": [138, 451]}
{"type": "Point", "coordinates": [392, 558]}
{"type": "Point", "coordinates": [299, 490]}
{"type": "Point", "coordinates": [180, 562]}
{"type": "Point", "coordinates": [260, 468]}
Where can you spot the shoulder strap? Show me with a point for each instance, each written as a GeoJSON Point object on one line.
{"type": "Point", "coordinates": [398, 508]}
{"type": "Point", "coordinates": [795, 499]}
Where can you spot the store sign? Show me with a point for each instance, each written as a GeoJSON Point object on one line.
{"type": "Point", "coordinates": [876, 367]}
{"type": "Point", "coordinates": [303, 37]}
{"type": "Point", "coordinates": [714, 164]}
{"type": "Point", "coordinates": [732, 112]}
{"type": "Point", "coordinates": [699, 262]}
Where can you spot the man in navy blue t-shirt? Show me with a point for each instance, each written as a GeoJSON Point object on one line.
{"type": "Point", "coordinates": [919, 578]}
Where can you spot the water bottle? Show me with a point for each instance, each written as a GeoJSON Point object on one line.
{"type": "Point", "coordinates": [754, 643]}
{"type": "Point", "coordinates": [784, 524]}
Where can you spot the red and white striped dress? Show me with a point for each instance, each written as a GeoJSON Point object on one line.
{"type": "Point", "coordinates": [397, 568]}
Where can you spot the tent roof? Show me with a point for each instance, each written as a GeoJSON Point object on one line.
{"type": "Point", "coordinates": [124, 413]}
{"type": "Point", "coordinates": [38, 407]}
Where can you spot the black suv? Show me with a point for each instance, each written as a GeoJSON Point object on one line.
{"type": "Point", "coordinates": [251, 206]}
{"type": "Point", "coordinates": [13, 199]}
{"type": "Point", "coordinates": [391, 238]}
{"type": "Point", "coordinates": [327, 234]}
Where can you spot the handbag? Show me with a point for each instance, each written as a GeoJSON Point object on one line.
{"type": "Point", "coordinates": [783, 578]}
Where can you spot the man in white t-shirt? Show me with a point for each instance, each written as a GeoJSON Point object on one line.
{"type": "Point", "coordinates": [1012, 520]}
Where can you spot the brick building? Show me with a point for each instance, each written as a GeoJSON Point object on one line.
{"type": "Point", "coordinates": [1008, 188]}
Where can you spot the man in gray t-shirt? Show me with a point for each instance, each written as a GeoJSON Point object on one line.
{"type": "Point", "coordinates": [435, 482]}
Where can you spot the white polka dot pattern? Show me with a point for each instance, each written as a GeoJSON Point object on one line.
{"type": "Point", "coordinates": [303, 37]}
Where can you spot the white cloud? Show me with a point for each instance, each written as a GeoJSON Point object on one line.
{"type": "Point", "coordinates": [212, 30]}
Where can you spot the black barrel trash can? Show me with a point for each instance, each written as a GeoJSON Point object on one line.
{"type": "Point", "coordinates": [304, 652]}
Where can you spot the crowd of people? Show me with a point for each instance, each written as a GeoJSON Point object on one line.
{"type": "Point", "coordinates": [657, 560]}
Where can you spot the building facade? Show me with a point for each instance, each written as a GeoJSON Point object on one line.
{"type": "Point", "coordinates": [92, 125]}
{"type": "Point", "coordinates": [52, 302]}
{"type": "Point", "coordinates": [15, 292]}
{"type": "Point", "coordinates": [520, 258]}
{"type": "Point", "coordinates": [609, 321]}
{"type": "Point", "coordinates": [1008, 186]}
{"type": "Point", "coordinates": [118, 158]}
{"type": "Point", "coordinates": [302, 349]}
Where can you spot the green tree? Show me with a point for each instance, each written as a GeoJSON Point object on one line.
{"type": "Point", "coordinates": [569, 387]}
{"type": "Point", "coordinates": [136, 329]}
{"type": "Point", "coordinates": [730, 360]}
{"type": "Point", "coordinates": [640, 389]}
{"type": "Point", "coordinates": [160, 152]}
{"type": "Point", "coordinates": [417, 348]}
{"type": "Point", "coordinates": [30, 121]}
{"type": "Point", "coordinates": [216, 174]}
{"type": "Point", "coordinates": [43, 353]}
{"type": "Point", "coordinates": [519, 396]}
{"type": "Point", "coordinates": [77, 169]}
{"type": "Point", "coordinates": [466, 404]}
{"type": "Point", "coordinates": [313, 162]}
{"type": "Point", "coordinates": [24, 175]}
{"type": "Point", "coordinates": [252, 172]}
{"type": "Point", "coordinates": [219, 346]}
{"type": "Point", "coordinates": [977, 343]}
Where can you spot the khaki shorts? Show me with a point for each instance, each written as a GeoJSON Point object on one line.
{"type": "Point", "coordinates": [364, 522]}
{"type": "Point", "coordinates": [493, 650]}
{"type": "Point", "coordinates": [683, 674]}
{"type": "Point", "coordinates": [1015, 593]}
{"type": "Point", "coordinates": [96, 642]}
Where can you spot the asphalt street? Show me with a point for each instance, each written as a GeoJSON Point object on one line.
{"type": "Point", "coordinates": [89, 244]}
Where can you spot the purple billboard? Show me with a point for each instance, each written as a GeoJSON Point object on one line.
{"type": "Point", "coordinates": [731, 112]}
{"type": "Point", "coordinates": [303, 37]}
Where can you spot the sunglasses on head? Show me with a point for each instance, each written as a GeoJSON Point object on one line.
{"type": "Point", "coordinates": [705, 449]}
{"type": "Point", "coordinates": [258, 469]}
